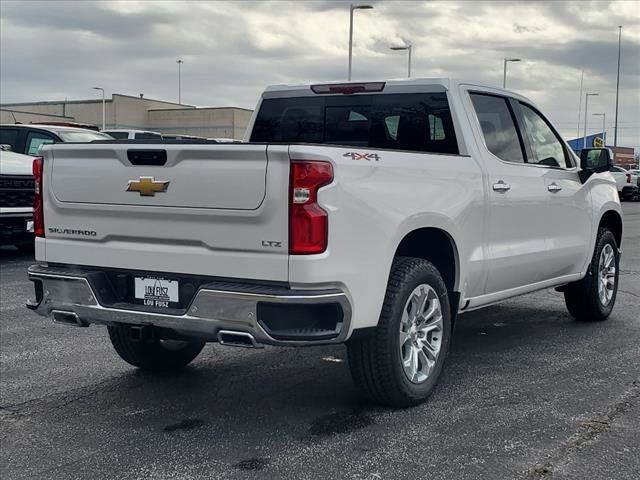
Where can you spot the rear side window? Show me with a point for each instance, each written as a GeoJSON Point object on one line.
{"type": "Point", "coordinates": [414, 122]}
{"type": "Point", "coordinates": [36, 139]}
{"type": "Point", "coordinates": [498, 127]}
{"type": "Point", "coordinates": [9, 136]}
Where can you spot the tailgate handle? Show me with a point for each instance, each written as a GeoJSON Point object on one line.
{"type": "Point", "coordinates": [147, 157]}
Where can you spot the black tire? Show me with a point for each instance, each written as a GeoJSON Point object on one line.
{"type": "Point", "coordinates": [375, 360]}
{"type": "Point", "coordinates": [582, 298]}
{"type": "Point", "coordinates": [153, 355]}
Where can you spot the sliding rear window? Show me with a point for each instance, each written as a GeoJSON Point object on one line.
{"type": "Point", "coordinates": [418, 122]}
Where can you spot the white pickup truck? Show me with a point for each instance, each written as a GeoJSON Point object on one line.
{"type": "Point", "coordinates": [366, 213]}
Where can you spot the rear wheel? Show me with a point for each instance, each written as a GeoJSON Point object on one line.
{"type": "Point", "coordinates": [153, 354]}
{"type": "Point", "coordinates": [399, 363]}
{"type": "Point", "coordinates": [593, 297]}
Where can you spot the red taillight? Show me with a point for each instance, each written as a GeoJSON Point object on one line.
{"type": "Point", "coordinates": [38, 214]}
{"type": "Point", "coordinates": [308, 222]}
{"type": "Point", "coordinates": [628, 178]}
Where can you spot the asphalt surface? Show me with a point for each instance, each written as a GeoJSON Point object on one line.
{"type": "Point", "coordinates": [526, 393]}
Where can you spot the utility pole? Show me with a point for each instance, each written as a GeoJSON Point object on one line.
{"type": "Point", "coordinates": [615, 127]}
{"type": "Point", "coordinates": [586, 109]}
{"type": "Point", "coordinates": [580, 103]}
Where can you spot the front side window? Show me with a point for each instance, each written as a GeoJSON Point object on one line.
{"type": "Point", "coordinates": [35, 140]}
{"type": "Point", "coordinates": [498, 127]}
{"type": "Point", "coordinates": [414, 121]}
{"type": "Point", "coordinates": [546, 147]}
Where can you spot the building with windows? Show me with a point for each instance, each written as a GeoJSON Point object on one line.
{"type": "Point", "coordinates": [136, 113]}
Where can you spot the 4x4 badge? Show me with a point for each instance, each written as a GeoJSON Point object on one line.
{"type": "Point", "coordinates": [363, 156]}
{"type": "Point", "coordinates": [147, 186]}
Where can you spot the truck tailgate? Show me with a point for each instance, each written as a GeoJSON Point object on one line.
{"type": "Point", "coordinates": [215, 210]}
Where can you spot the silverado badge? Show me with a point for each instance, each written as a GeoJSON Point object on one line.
{"type": "Point", "coordinates": [147, 186]}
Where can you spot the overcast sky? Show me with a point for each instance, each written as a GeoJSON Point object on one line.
{"type": "Point", "coordinates": [231, 50]}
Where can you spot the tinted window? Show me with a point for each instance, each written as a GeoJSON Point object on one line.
{"type": "Point", "coordinates": [82, 137]}
{"type": "Point", "coordinates": [415, 122]}
{"type": "Point", "coordinates": [498, 127]}
{"type": "Point", "coordinates": [9, 136]}
{"type": "Point", "coordinates": [35, 140]}
{"type": "Point", "coordinates": [546, 147]}
{"type": "Point", "coordinates": [118, 135]}
{"type": "Point", "coordinates": [147, 136]}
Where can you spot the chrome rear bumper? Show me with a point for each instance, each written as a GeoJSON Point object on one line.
{"type": "Point", "coordinates": [214, 307]}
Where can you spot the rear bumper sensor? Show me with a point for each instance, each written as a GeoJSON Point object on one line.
{"type": "Point", "coordinates": [233, 314]}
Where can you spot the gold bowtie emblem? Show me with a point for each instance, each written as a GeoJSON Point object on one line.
{"type": "Point", "coordinates": [147, 186]}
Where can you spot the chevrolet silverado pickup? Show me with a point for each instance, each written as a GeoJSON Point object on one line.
{"type": "Point", "coordinates": [370, 214]}
{"type": "Point", "coordinates": [16, 200]}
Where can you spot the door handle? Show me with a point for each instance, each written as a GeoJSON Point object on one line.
{"type": "Point", "coordinates": [553, 188]}
{"type": "Point", "coordinates": [501, 186]}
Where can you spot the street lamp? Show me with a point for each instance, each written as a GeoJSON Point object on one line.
{"type": "Point", "coordinates": [604, 119]}
{"type": "Point", "coordinates": [180, 62]}
{"type": "Point", "coordinates": [504, 73]}
{"type": "Point", "coordinates": [353, 7]}
{"type": "Point", "coordinates": [103, 110]}
{"type": "Point", "coordinates": [586, 109]}
{"type": "Point", "coordinates": [615, 131]}
{"type": "Point", "coordinates": [408, 49]}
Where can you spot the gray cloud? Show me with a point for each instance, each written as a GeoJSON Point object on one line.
{"type": "Point", "coordinates": [232, 50]}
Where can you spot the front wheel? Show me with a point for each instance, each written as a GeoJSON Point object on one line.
{"type": "Point", "coordinates": [592, 298]}
{"type": "Point", "coordinates": [153, 354]}
{"type": "Point", "coordinates": [399, 363]}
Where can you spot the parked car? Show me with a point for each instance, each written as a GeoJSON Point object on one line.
{"type": "Point", "coordinates": [123, 134]}
{"type": "Point", "coordinates": [16, 200]}
{"type": "Point", "coordinates": [366, 213]}
{"type": "Point", "coordinates": [28, 138]}
{"type": "Point", "coordinates": [628, 183]}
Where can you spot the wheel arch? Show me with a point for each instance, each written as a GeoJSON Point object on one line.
{"type": "Point", "coordinates": [437, 246]}
{"type": "Point", "coordinates": [612, 220]}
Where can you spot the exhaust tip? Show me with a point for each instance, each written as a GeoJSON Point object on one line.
{"type": "Point", "coordinates": [68, 318]}
{"type": "Point", "coordinates": [237, 339]}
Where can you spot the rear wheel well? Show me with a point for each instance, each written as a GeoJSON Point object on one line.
{"type": "Point", "coordinates": [612, 221]}
{"type": "Point", "coordinates": [436, 246]}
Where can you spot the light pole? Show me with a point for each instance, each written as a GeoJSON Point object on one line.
{"type": "Point", "coordinates": [353, 7]}
{"type": "Point", "coordinates": [504, 73]}
{"type": "Point", "coordinates": [103, 110]}
{"type": "Point", "coordinates": [408, 49]}
{"type": "Point", "coordinates": [586, 109]}
{"type": "Point", "coordinates": [615, 127]}
{"type": "Point", "coordinates": [604, 119]}
{"type": "Point", "coordinates": [180, 62]}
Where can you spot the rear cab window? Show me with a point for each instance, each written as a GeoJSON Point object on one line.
{"type": "Point", "coordinates": [9, 136]}
{"type": "Point", "coordinates": [419, 122]}
{"type": "Point", "coordinates": [82, 136]}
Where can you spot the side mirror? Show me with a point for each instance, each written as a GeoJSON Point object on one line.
{"type": "Point", "coordinates": [596, 160]}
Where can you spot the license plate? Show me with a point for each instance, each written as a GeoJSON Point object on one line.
{"type": "Point", "coordinates": [30, 226]}
{"type": "Point", "coordinates": [156, 292]}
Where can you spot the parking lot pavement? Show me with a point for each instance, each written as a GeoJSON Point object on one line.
{"type": "Point", "coordinates": [526, 393]}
